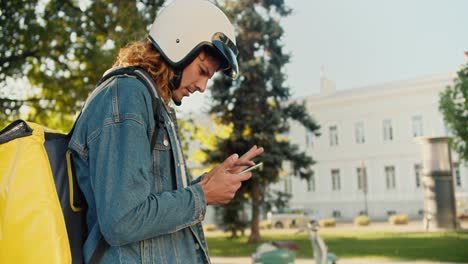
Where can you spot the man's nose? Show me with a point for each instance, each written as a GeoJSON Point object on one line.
{"type": "Point", "coordinates": [201, 85]}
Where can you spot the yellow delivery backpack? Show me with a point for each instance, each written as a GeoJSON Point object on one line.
{"type": "Point", "coordinates": [33, 224]}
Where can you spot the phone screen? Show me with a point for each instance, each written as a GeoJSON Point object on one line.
{"type": "Point", "coordinates": [251, 168]}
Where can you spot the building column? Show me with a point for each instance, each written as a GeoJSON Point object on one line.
{"type": "Point", "coordinates": [439, 194]}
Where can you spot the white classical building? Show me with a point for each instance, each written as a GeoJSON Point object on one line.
{"type": "Point", "coordinates": [367, 157]}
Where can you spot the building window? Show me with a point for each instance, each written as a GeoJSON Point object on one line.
{"type": "Point", "coordinates": [333, 136]}
{"type": "Point", "coordinates": [311, 183]}
{"type": "Point", "coordinates": [336, 213]}
{"type": "Point", "coordinates": [359, 132]}
{"type": "Point", "coordinates": [456, 174]}
{"type": "Point", "coordinates": [336, 183]}
{"type": "Point", "coordinates": [309, 139]}
{"type": "Point", "coordinates": [387, 130]}
{"type": "Point", "coordinates": [390, 177]}
{"type": "Point", "coordinates": [417, 122]}
{"type": "Point", "coordinates": [362, 179]}
{"type": "Point", "coordinates": [417, 174]}
{"type": "Point", "coordinates": [391, 212]}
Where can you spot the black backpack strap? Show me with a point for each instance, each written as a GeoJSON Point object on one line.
{"type": "Point", "coordinates": [144, 77]}
{"type": "Point", "coordinates": [156, 101]}
{"type": "Point", "coordinates": [16, 129]}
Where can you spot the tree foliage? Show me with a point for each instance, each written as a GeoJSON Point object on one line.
{"type": "Point", "coordinates": [61, 48]}
{"type": "Point", "coordinates": [453, 104]}
{"type": "Point", "coordinates": [258, 105]}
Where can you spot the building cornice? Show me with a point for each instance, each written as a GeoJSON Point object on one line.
{"type": "Point", "coordinates": [384, 90]}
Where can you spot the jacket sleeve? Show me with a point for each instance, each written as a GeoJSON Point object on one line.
{"type": "Point", "coordinates": [121, 180]}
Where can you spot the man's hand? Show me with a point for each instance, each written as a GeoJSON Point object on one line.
{"type": "Point", "coordinates": [246, 160]}
{"type": "Point", "coordinates": [221, 183]}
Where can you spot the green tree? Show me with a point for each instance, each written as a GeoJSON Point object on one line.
{"type": "Point", "coordinates": [258, 106]}
{"type": "Point", "coordinates": [453, 104]}
{"type": "Point", "coordinates": [61, 48]}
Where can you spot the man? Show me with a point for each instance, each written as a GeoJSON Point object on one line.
{"type": "Point", "coordinates": [143, 207]}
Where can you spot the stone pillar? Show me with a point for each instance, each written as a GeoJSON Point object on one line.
{"type": "Point", "coordinates": [439, 194]}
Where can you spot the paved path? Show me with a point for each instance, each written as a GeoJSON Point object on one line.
{"type": "Point", "coordinates": [412, 226]}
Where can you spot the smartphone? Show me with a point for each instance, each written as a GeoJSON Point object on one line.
{"type": "Point", "coordinates": [251, 168]}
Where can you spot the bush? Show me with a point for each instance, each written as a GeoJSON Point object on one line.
{"type": "Point", "coordinates": [209, 227]}
{"type": "Point", "coordinates": [327, 222]}
{"type": "Point", "coordinates": [398, 219]}
{"type": "Point", "coordinates": [361, 220]}
{"type": "Point", "coordinates": [264, 224]}
{"type": "Point", "coordinates": [463, 217]}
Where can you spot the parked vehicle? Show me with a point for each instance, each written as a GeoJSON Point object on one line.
{"type": "Point", "coordinates": [284, 252]}
{"type": "Point", "coordinates": [462, 205]}
{"type": "Point", "coordinates": [275, 252]}
{"type": "Point", "coordinates": [290, 217]}
{"type": "Point", "coordinates": [321, 254]}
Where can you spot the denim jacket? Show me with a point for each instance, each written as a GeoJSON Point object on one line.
{"type": "Point", "coordinates": [137, 201]}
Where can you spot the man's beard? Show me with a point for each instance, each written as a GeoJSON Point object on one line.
{"type": "Point", "coordinates": [178, 102]}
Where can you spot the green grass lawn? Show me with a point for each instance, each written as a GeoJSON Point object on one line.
{"type": "Point", "coordinates": [439, 246]}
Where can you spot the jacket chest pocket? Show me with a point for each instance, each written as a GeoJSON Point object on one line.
{"type": "Point", "coordinates": [163, 162]}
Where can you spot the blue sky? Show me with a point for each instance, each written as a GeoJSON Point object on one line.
{"type": "Point", "coordinates": [365, 42]}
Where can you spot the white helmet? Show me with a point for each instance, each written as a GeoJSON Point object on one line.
{"type": "Point", "coordinates": [183, 27]}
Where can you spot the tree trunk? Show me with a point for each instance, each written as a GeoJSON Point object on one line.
{"type": "Point", "coordinates": [254, 227]}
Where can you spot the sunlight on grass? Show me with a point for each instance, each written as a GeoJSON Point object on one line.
{"type": "Point", "coordinates": [439, 246]}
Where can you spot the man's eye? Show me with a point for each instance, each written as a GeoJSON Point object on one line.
{"type": "Point", "coordinates": [203, 72]}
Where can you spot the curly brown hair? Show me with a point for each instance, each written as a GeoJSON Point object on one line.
{"type": "Point", "coordinates": [142, 54]}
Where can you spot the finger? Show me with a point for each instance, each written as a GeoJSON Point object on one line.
{"type": "Point", "coordinates": [244, 163]}
{"type": "Point", "coordinates": [244, 176]}
{"type": "Point", "coordinates": [248, 153]}
{"type": "Point", "coordinates": [230, 161]}
{"type": "Point", "coordinates": [252, 153]}
{"type": "Point", "coordinates": [258, 151]}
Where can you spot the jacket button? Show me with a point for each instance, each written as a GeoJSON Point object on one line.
{"type": "Point", "coordinates": [197, 246]}
{"type": "Point", "coordinates": [165, 142]}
